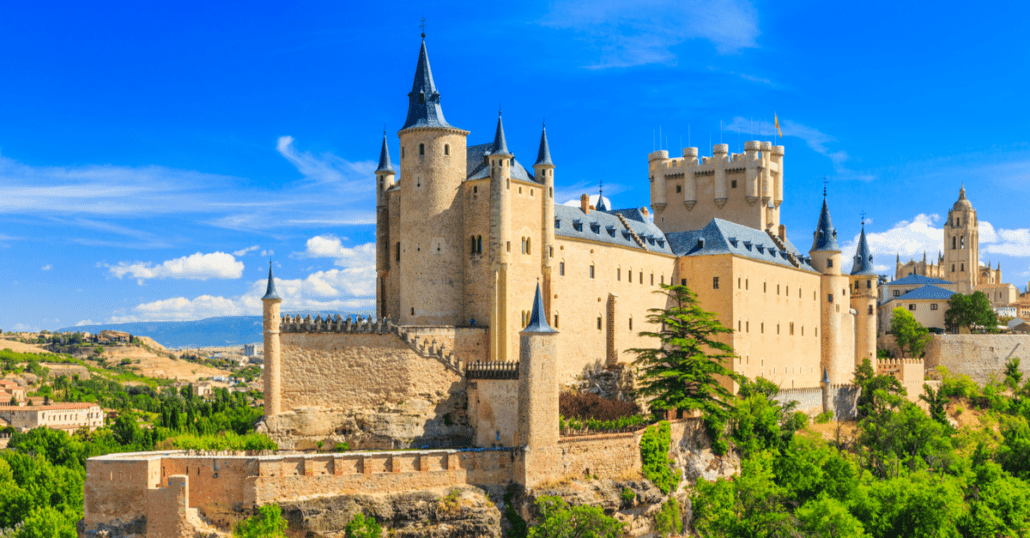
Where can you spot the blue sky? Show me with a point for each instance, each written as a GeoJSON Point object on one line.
{"type": "Point", "coordinates": [152, 157]}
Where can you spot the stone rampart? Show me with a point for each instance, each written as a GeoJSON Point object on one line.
{"type": "Point", "coordinates": [142, 491]}
{"type": "Point", "coordinates": [911, 373]}
{"type": "Point", "coordinates": [810, 399]}
{"type": "Point", "coordinates": [978, 355]}
{"type": "Point", "coordinates": [493, 407]}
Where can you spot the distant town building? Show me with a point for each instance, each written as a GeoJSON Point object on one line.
{"type": "Point", "coordinates": [114, 337]}
{"type": "Point", "coordinates": [9, 389]}
{"type": "Point", "coordinates": [59, 416]}
{"type": "Point", "coordinates": [248, 350]}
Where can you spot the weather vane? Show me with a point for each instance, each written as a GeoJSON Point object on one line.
{"type": "Point", "coordinates": [863, 218]}
{"type": "Point", "coordinates": [825, 181]}
{"type": "Point", "coordinates": [423, 26]}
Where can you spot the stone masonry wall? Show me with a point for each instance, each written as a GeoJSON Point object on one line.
{"type": "Point", "coordinates": [978, 355]}
{"type": "Point", "coordinates": [493, 411]}
{"type": "Point", "coordinates": [810, 400]}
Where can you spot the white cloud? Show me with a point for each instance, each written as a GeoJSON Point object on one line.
{"type": "Point", "coordinates": [1004, 242]}
{"type": "Point", "coordinates": [361, 257]}
{"type": "Point", "coordinates": [194, 267]}
{"type": "Point", "coordinates": [244, 251]}
{"type": "Point", "coordinates": [85, 322]}
{"type": "Point", "coordinates": [268, 252]}
{"type": "Point", "coordinates": [328, 168]}
{"type": "Point", "coordinates": [47, 267]}
{"type": "Point", "coordinates": [574, 202]}
{"type": "Point", "coordinates": [642, 32]}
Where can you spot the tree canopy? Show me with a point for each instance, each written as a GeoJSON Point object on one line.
{"type": "Point", "coordinates": [909, 334]}
{"type": "Point", "coordinates": [971, 312]}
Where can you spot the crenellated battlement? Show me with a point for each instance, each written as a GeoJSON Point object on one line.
{"type": "Point", "coordinates": [492, 370]}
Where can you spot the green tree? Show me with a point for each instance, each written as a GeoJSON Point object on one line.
{"type": "Point", "coordinates": [1012, 374]}
{"type": "Point", "coordinates": [751, 505]}
{"type": "Point", "coordinates": [47, 522]}
{"type": "Point", "coordinates": [877, 391]}
{"type": "Point", "coordinates": [267, 523]}
{"type": "Point", "coordinates": [936, 402]}
{"type": "Point", "coordinates": [558, 520]}
{"type": "Point", "coordinates": [361, 526]}
{"type": "Point", "coordinates": [909, 334]}
{"type": "Point", "coordinates": [826, 517]}
{"type": "Point", "coordinates": [688, 369]}
{"type": "Point", "coordinates": [971, 311]}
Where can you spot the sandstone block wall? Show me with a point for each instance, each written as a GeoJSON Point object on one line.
{"type": "Point", "coordinates": [334, 370]}
{"type": "Point", "coordinates": [844, 401]}
{"type": "Point", "coordinates": [978, 355]}
{"type": "Point", "coordinates": [493, 411]}
{"type": "Point", "coordinates": [810, 400]}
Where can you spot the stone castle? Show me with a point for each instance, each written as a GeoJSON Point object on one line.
{"type": "Point", "coordinates": [490, 299]}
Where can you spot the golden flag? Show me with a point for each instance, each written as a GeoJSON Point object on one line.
{"type": "Point", "coordinates": [777, 120]}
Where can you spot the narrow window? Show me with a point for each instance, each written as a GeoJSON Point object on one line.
{"type": "Point", "coordinates": [777, 328]}
{"type": "Point", "coordinates": [550, 192]}
{"type": "Point", "coordinates": [550, 252]}
{"type": "Point", "coordinates": [777, 289]}
{"type": "Point", "coordinates": [529, 245]}
{"type": "Point", "coordinates": [591, 270]}
{"type": "Point", "coordinates": [421, 149]}
{"type": "Point", "coordinates": [953, 240]}
{"type": "Point", "coordinates": [473, 249]}
{"type": "Point", "coordinates": [715, 282]}
{"type": "Point", "coordinates": [479, 244]}
{"type": "Point", "coordinates": [446, 149]}
{"type": "Point", "coordinates": [961, 267]}
{"type": "Point", "coordinates": [733, 184]}
{"type": "Point", "coordinates": [402, 152]}
{"type": "Point", "coordinates": [683, 282]}
{"type": "Point", "coordinates": [413, 311]}
{"type": "Point", "coordinates": [962, 242]}
{"type": "Point", "coordinates": [746, 284]}
{"type": "Point", "coordinates": [679, 188]}
{"type": "Point", "coordinates": [738, 282]}
{"type": "Point", "coordinates": [618, 274]}
{"type": "Point", "coordinates": [475, 189]}
{"type": "Point", "coordinates": [561, 268]}
{"type": "Point", "coordinates": [555, 320]}
{"type": "Point", "coordinates": [599, 323]}
{"type": "Point", "coordinates": [398, 257]}
{"type": "Point", "coordinates": [738, 325]}
{"type": "Point", "coordinates": [829, 298]}
{"type": "Point", "coordinates": [953, 266]}
{"type": "Point", "coordinates": [747, 326]}
{"type": "Point", "coordinates": [869, 284]}
{"type": "Point", "coordinates": [932, 307]}
{"type": "Point", "coordinates": [792, 328]}
{"type": "Point", "coordinates": [761, 328]}
{"type": "Point", "coordinates": [663, 280]}
{"type": "Point", "coordinates": [641, 279]}
{"type": "Point", "coordinates": [631, 323]}
{"type": "Point", "coordinates": [520, 189]}
{"type": "Point", "coordinates": [765, 287]}
{"type": "Point", "coordinates": [507, 246]}
{"type": "Point", "coordinates": [829, 262]}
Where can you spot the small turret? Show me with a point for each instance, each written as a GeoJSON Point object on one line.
{"type": "Point", "coordinates": [863, 257]}
{"type": "Point", "coordinates": [864, 297]}
{"type": "Point", "coordinates": [273, 366]}
{"type": "Point", "coordinates": [601, 206]}
{"type": "Point", "coordinates": [500, 147]}
{"type": "Point", "coordinates": [538, 399]}
{"type": "Point", "coordinates": [544, 170]}
{"type": "Point", "coordinates": [500, 159]}
{"type": "Point", "coordinates": [825, 235]}
{"type": "Point", "coordinates": [424, 101]}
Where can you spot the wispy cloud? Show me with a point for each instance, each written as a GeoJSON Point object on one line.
{"type": "Point", "coordinates": [47, 267]}
{"type": "Point", "coordinates": [244, 251]}
{"type": "Point", "coordinates": [328, 168]}
{"type": "Point", "coordinates": [819, 141]}
{"type": "Point", "coordinates": [194, 267]}
{"type": "Point", "coordinates": [630, 33]}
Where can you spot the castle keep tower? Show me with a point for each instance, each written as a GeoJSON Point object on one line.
{"type": "Point", "coordinates": [384, 181]}
{"type": "Point", "coordinates": [538, 399]}
{"type": "Point", "coordinates": [864, 294]}
{"type": "Point", "coordinates": [430, 243]}
{"type": "Point", "coordinates": [273, 363]}
{"type": "Point", "coordinates": [746, 188]}
{"type": "Point", "coordinates": [544, 170]}
{"type": "Point", "coordinates": [500, 240]}
{"type": "Point", "coordinates": [962, 245]}
{"type": "Point", "coordinates": [834, 300]}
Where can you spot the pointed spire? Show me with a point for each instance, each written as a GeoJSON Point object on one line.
{"type": "Point", "coordinates": [864, 258]}
{"type": "Point", "coordinates": [424, 101]}
{"type": "Point", "coordinates": [500, 145]}
{"type": "Point", "coordinates": [543, 155]}
{"type": "Point", "coordinates": [270, 294]}
{"type": "Point", "coordinates": [962, 192]}
{"type": "Point", "coordinates": [826, 376]}
{"type": "Point", "coordinates": [898, 261]}
{"type": "Point", "coordinates": [601, 206]}
{"type": "Point", "coordinates": [825, 236]}
{"type": "Point", "coordinates": [538, 319]}
{"type": "Point", "coordinates": [384, 157]}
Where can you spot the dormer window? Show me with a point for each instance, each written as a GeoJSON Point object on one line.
{"type": "Point", "coordinates": [700, 243]}
{"type": "Point", "coordinates": [611, 230]}
{"type": "Point", "coordinates": [595, 227]}
{"type": "Point", "coordinates": [557, 223]}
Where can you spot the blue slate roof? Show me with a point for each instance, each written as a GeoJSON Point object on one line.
{"type": "Point", "coordinates": [863, 258]}
{"type": "Point", "coordinates": [500, 146]}
{"type": "Point", "coordinates": [270, 293]}
{"type": "Point", "coordinates": [824, 238]}
{"type": "Point", "coordinates": [601, 206]}
{"type": "Point", "coordinates": [632, 213]}
{"type": "Point", "coordinates": [538, 319]}
{"type": "Point", "coordinates": [384, 157]}
{"type": "Point", "coordinates": [424, 101]}
{"type": "Point", "coordinates": [605, 227]}
{"type": "Point", "coordinates": [543, 155]}
{"type": "Point", "coordinates": [479, 168]}
{"type": "Point", "coordinates": [917, 280]}
{"type": "Point", "coordinates": [724, 237]}
{"type": "Point", "coordinates": [928, 291]}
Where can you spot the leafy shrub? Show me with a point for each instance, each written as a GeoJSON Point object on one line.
{"type": "Point", "coordinates": [667, 520]}
{"type": "Point", "coordinates": [654, 453]}
{"type": "Point", "coordinates": [595, 425]}
{"type": "Point", "coordinates": [361, 526]}
{"type": "Point", "coordinates": [824, 417]}
{"type": "Point", "coordinates": [961, 386]}
{"type": "Point", "coordinates": [558, 520]}
{"type": "Point", "coordinates": [225, 441]}
{"type": "Point", "coordinates": [587, 405]}
{"type": "Point", "coordinates": [450, 502]}
{"type": "Point", "coordinates": [518, 529]}
{"type": "Point", "coordinates": [628, 496]}
{"type": "Point", "coordinates": [341, 447]}
{"type": "Point", "coordinates": [267, 523]}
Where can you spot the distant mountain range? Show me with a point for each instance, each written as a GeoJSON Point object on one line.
{"type": "Point", "coordinates": [210, 332]}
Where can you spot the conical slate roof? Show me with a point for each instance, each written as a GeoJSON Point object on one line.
{"type": "Point", "coordinates": [601, 206]}
{"type": "Point", "coordinates": [538, 319]}
{"type": "Point", "coordinates": [863, 258]}
{"type": "Point", "coordinates": [270, 293]}
{"type": "Point", "coordinates": [500, 144]}
{"type": "Point", "coordinates": [543, 155]}
{"type": "Point", "coordinates": [825, 236]}
{"type": "Point", "coordinates": [424, 101]}
{"type": "Point", "coordinates": [384, 157]}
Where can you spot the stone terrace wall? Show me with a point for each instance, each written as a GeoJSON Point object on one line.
{"type": "Point", "coordinates": [493, 410]}
{"type": "Point", "coordinates": [349, 370]}
{"type": "Point", "coordinates": [978, 355]}
{"type": "Point", "coordinates": [810, 400]}
{"type": "Point", "coordinates": [120, 488]}
{"type": "Point", "coordinates": [614, 455]}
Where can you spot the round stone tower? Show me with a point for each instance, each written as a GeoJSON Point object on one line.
{"type": "Point", "coordinates": [431, 227]}
{"type": "Point", "coordinates": [544, 170]}
{"type": "Point", "coordinates": [864, 295]}
{"type": "Point", "coordinates": [501, 159]}
{"type": "Point", "coordinates": [273, 363]}
{"type": "Point", "coordinates": [834, 299]}
{"type": "Point", "coordinates": [384, 182]}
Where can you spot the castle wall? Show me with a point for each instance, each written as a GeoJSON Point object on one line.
{"type": "Point", "coordinates": [392, 280]}
{"type": "Point", "coordinates": [978, 355]}
{"type": "Point", "coordinates": [524, 271]}
{"type": "Point", "coordinates": [911, 373]}
{"type": "Point", "coordinates": [493, 411]}
{"type": "Point", "coordinates": [116, 490]}
{"type": "Point", "coordinates": [760, 302]}
{"type": "Point", "coordinates": [358, 370]}
{"type": "Point", "coordinates": [809, 399]}
{"type": "Point", "coordinates": [578, 301]}
{"type": "Point", "coordinates": [478, 277]}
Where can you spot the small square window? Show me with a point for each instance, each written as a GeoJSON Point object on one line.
{"type": "Point", "coordinates": [933, 306]}
{"type": "Point", "coordinates": [733, 184]}
{"type": "Point", "coordinates": [679, 188]}
{"type": "Point", "coordinates": [715, 282]}
{"type": "Point", "coordinates": [912, 306]}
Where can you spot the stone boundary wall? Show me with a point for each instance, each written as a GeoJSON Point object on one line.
{"type": "Point", "coordinates": [493, 410]}
{"type": "Point", "coordinates": [911, 373]}
{"type": "Point", "coordinates": [614, 455]}
{"type": "Point", "coordinates": [810, 400]}
{"type": "Point", "coordinates": [122, 489]}
{"type": "Point", "coordinates": [978, 355]}
{"type": "Point", "coordinates": [844, 401]}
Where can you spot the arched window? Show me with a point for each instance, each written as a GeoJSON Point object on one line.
{"type": "Point", "coordinates": [446, 149]}
{"type": "Point", "coordinates": [599, 323]}
{"type": "Point", "coordinates": [618, 274]}
{"type": "Point", "coordinates": [561, 268]}
{"type": "Point", "coordinates": [953, 240]}
{"type": "Point", "coordinates": [421, 149]}
{"type": "Point", "coordinates": [962, 242]}
{"type": "Point", "coordinates": [591, 270]}
{"type": "Point", "coordinates": [641, 279]}
{"type": "Point", "coordinates": [529, 245]}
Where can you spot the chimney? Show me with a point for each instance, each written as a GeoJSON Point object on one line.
{"type": "Point", "coordinates": [584, 204]}
{"type": "Point", "coordinates": [783, 233]}
{"type": "Point", "coordinates": [645, 212]}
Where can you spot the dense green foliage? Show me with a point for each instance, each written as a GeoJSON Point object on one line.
{"type": "Point", "coordinates": [559, 520]}
{"type": "Point", "coordinates": [654, 454]}
{"type": "Point", "coordinates": [686, 370]}
{"type": "Point", "coordinates": [972, 312]}
{"type": "Point", "coordinates": [268, 523]}
{"type": "Point", "coordinates": [668, 521]}
{"type": "Point", "coordinates": [909, 334]}
{"type": "Point", "coordinates": [906, 471]}
{"type": "Point", "coordinates": [361, 526]}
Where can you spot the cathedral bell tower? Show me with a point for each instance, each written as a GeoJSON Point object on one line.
{"type": "Point", "coordinates": [962, 245]}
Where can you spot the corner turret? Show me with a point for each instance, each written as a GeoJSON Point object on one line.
{"type": "Point", "coordinates": [384, 182]}
{"type": "Point", "coordinates": [544, 170]}
{"type": "Point", "coordinates": [864, 295]}
{"type": "Point", "coordinates": [273, 365]}
{"type": "Point", "coordinates": [836, 320]}
{"type": "Point", "coordinates": [538, 399]}
{"type": "Point", "coordinates": [500, 159]}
